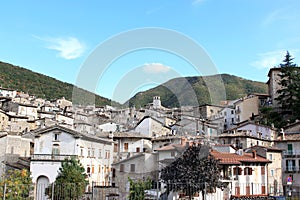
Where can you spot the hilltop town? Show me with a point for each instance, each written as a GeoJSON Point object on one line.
{"type": "Point", "coordinates": [113, 144]}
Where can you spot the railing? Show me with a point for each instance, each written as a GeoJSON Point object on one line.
{"type": "Point", "coordinates": [52, 157]}
{"type": "Point", "coordinates": [291, 153]}
{"type": "Point", "coordinates": [98, 191]}
{"type": "Point", "coordinates": [290, 169]}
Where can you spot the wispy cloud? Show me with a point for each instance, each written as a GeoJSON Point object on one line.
{"type": "Point", "coordinates": [68, 47]}
{"type": "Point", "coordinates": [271, 59]}
{"type": "Point", "coordinates": [286, 15]}
{"type": "Point", "coordinates": [155, 68]}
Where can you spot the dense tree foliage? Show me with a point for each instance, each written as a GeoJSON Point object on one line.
{"type": "Point", "coordinates": [17, 184]}
{"type": "Point", "coordinates": [138, 187]}
{"type": "Point", "coordinates": [288, 95]}
{"type": "Point", "coordinates": [196, 170]}
{"type": "Point", "coordinates": [270, 117]}
{"type": "Point", "coordinates": [70, 182]}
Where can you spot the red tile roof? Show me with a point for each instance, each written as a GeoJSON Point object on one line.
{"type": "Point", "coordinates": [235, 159]}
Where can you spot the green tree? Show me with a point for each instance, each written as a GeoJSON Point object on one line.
{"type": "Point", "coordinates": [70, 182]}
{"type": "Point", "coordinates": [17, 183]}
{"type": "Point", "coordinates": [138, 187]}
{"type": "Point", "coordinates": [196, 170]}
{"type": "Point", "coordinates": [289, 94]}
{"type": "Point", "coordinates": [270, 116]}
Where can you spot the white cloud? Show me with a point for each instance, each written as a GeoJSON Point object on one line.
{"type": "Point", "coordinates": [271, 59]}
{"type": "Point", "coordinates": [155, 68]}
{"type": "Point", "coordinates": [68, 48]}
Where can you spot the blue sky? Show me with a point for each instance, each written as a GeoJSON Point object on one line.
{"type": "Point", "coordinates": [241, 37]}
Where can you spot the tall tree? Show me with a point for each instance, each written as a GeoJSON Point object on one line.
{"type": "Point", "coordinates": [196, 170]}
{"type": "Point", "coordinates": [288, 96]}
{"type": "Point", "coordinates": [70, 182]}
{"type": "Point", "coordinates": [17, 183]}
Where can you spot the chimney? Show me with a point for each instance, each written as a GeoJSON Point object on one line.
{"type": "Point", "coordinates": [254, 154]}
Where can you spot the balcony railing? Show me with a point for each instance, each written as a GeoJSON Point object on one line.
{"type": "Point", "coordinates": [52, 157]}
{"type": "Point", "coordinates": [291, 153]}
{"type": "Point", "coordinates": [291, 169]}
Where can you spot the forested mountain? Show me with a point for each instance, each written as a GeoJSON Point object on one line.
{"type": "Point", "coordinates": [235, 87]}
{"type": "Point", "coordinates": [39, 85]}
{"type": "Point", "coordinates": [43, 86]}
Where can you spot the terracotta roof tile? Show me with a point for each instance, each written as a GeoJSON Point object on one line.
{"type": "Point", "coordinates": [232, 158]}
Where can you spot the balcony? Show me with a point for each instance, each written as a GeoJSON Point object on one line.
{"type": "Point", "coordinates": [291, 153]}
{"type": "Point", "coordinates": [51, 157]}
{"type": "Point", "coordinates": [290, 169]}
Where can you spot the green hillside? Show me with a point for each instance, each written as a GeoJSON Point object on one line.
{"type": "Point", "coordinates": [39, 85]}
{"type": "Point", "coordinates": [181, 89]}
{"type": "Point", "coordinates": [173, 91]}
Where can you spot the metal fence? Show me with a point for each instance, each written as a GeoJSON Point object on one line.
{"type": "Point", "coordinates": [96, 191]}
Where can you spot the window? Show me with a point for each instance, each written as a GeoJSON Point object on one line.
{"type": "Point", "coordinates": [248, 171]}
{"type": "Point", "coordinates": [81, 151]}
{"type": "Point", "coordinates": [107, 154]}
{"type": "Point", "coordinates": [88, 170]}
{"type": "Point", "coordinates": [55, 149]}
{"type": "Point", "coordinates": [93, 153]}
{"type": "Point", "coordinates": [138, 149]}
{"type": "Point", "coordinates": [237, 171]}
{"type": "Point", "coordinates": [263, 171]}
{"type": "Point", "coordinates": [99, 153]}
{"type": "Point", "coordinates": [121, 167]}
{"type": "Point", "coordinates": [93, 169]}
{"type": "Point", "coordinates": [270, 157]}
{"type": "Point", "coordinates": [113, 172]}
{"type": "Point", "coordinates": [290, 149]}
{"type": "Point", "coordinates": [55, 136]}
{"type": "Point", "coordinates": [290, 165]}
{"type": "Point", "coordinates": [125, 146]}
{"type": "Point", "coordinates": [99, 169]}
{"type": "Point", "coordinates": [173, 153]}
{"type": "Point", "coordinates": [115, 148]}
{"type": "Point", "coordinates": [89, 152]}
{"type": "Point", "coordinates": [272, 172]}
{"type": "Point", "coordinates": [132, 167]}
{"type": "Point", "coordinates": [12, 150]}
